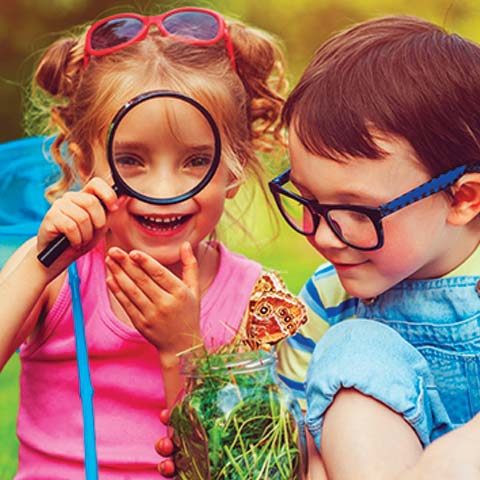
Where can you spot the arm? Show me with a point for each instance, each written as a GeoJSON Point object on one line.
{"type": "Point", "coordinates": [22, 297]}
{"type": "Point", "coordinates": [25, 284]}
{"type": "Point", "coordinates": [455, 455]}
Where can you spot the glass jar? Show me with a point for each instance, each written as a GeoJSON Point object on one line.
{"type": "Point", "coordinates": [237, 420]}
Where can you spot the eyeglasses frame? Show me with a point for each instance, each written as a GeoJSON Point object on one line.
{"type": "Point", "coordinates": [317, 210]}
{"type": "Point", "coordinates": [148, 21]}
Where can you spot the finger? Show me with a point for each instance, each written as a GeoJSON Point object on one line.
{"type": "Point", "coordinates": [190, 268]}
{"type": "Point", "coordinates": [132, 298]}
{"type": "Point", "coordinates": [83, 231]}
{"type": "Point", "coordinates": [165, 416]}
{"type": "Point", "coordinates": [56, 222]}
{"type": "Point", "coordinates": [167, 468]}
{"type": "Point", "coordinates": [165, 447]}
{"type": "Point", "coordinates": [91, 205]}
{"type": "Point", "coordinates": [130, 309]}
{"type": "Point", "coordinates": [161, 275]}
{"type": "Point", "coordinates": [102, 190]}
{"type": "Point", "coordinates": [144, 277]}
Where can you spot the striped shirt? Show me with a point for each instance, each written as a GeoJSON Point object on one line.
{"type": "Point", "coordinates": [327, 304]}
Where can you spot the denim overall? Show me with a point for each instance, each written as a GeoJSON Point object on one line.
{"type": "Point", "coordinates": [415, 348]}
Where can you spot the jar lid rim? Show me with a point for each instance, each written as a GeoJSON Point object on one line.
{"type": "Point", "coordinates": [252, 360]}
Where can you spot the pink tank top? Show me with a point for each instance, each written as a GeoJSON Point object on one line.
{"type": "Point", "coordinates": [125, 372]}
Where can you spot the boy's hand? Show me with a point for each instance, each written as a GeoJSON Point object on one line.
{"type": "Point", "coordinates": [79, 216]}
{"type": "Point", "coordinates": [164, 308]}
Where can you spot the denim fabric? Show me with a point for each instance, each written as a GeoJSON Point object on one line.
{"type": "Point", "coordinates": [416, 348]}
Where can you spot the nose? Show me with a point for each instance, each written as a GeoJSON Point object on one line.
{"type": "Point", "coordinates": [161, 182]}
{"type": "Point", "coordinates": [324, 237]}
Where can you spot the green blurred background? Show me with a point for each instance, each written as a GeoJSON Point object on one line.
{"type": "Point", "coordinates": [28, 26]}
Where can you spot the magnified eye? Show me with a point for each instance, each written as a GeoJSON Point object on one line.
{"type": "Point", "coordinates": [198, 161]}
{"type": "Point", "coordinates": [127, 160]}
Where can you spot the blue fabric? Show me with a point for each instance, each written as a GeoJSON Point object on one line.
{"type": "Point", "coordinates": [415, 349]}
{"type": "Point", "coordinates": [26, 169]}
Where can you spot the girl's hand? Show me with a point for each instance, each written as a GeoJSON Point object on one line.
{"type": "Point", "coordinates": [79, 216]}
{"type": "Point", "coordinates": [165, 448]}
{"type": "Point", "coordinates": [164, 308]}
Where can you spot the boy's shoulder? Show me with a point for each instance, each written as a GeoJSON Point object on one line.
{"type": "Point", "coordinates": [324, 295]}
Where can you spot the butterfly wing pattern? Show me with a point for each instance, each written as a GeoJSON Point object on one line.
{"type": "Point", "coordinates": [273, 312]}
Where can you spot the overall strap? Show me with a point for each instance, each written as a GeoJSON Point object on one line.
{"type": "Point", "coordinates": [86, 389]}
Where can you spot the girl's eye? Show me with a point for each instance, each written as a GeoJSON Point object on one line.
{"type": "Point", "coordinates": [198, 161]}
{"type": "Point", "coordinates": [128, 161]}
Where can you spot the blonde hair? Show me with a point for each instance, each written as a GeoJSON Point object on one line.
{"type": "Point", "coordinates": [76, 104]}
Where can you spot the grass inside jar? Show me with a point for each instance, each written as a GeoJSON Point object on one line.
{"type": "Point", "coordinates": [238, 419]}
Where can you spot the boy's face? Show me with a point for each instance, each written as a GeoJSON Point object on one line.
{"type": "Point", "coordinates": [418, 238]}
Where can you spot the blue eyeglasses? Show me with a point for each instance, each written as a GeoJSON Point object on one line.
{"type": "Point", "coordinates": [357, 226]}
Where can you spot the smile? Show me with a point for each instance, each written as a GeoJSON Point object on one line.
{"type": "Point", "coordinates": [346, 266]}
{"type": "Point", "coordinates": [164, 223]}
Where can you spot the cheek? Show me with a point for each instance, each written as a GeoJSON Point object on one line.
{"type": "Point", "coordinates": [408, 242]}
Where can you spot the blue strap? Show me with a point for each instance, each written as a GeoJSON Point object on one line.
{"type": "Point", "coordinates": [86, 389]}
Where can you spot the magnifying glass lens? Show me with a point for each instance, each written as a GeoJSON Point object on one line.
{"type": "Point", "coordinates": [163, 148]}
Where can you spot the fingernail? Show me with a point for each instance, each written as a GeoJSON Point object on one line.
{"type": "Point", "coordinates": [135, 255]}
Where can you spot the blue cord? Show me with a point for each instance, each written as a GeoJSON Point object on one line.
{"type": "Point", "coordinates": [86, 389]}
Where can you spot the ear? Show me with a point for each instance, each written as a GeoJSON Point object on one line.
{"type": "Point", "coordinates": [466, 200]}
{"type": "Point", "coordinates": [232, 188]}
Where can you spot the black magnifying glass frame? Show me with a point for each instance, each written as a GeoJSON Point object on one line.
{"type": "Point", "coordinates": [58, 245]}
{"type": "Point", "coordinates": [123, 188]}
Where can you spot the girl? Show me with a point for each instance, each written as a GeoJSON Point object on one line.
{"type": "Point", "coordinates": [384, 142]}
{"type": "Point", "coordinates": [141, 265]}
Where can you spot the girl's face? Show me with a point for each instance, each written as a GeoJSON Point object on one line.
{"type": "Point", "coordinates": [419, 242]}
{"type": "Point", "coordinates": [163, 148]}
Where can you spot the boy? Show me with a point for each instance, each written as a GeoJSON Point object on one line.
{"type": "Point", "coordinates": [384, 143]}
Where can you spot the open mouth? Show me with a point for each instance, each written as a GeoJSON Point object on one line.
{"type": "Point", "coordinates": [163, 224]}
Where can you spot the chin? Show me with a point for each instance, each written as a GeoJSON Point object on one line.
{"type": "Point", "coordinates": [166, 259]}
{"type": "Point", "coordinates": [362, 290]}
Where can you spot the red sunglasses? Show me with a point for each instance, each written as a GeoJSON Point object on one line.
{"type": "Point", "coordinates": [197, 26]}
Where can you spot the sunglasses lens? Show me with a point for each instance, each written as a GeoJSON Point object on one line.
{"type": "Point", "coordinates": [115, 32]}
{"type": "Point", "coordinates": [196, 25]}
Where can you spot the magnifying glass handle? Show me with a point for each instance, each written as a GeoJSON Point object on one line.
{"type": "Point", "coordinates": [53, 250]}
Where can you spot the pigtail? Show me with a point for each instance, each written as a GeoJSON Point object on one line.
{"type": "Point", "coordinates": [55, 83]}
{"type": "Point", "coordinates": [261, 68]}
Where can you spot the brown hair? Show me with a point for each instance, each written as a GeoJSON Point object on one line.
{"type": "Point", "coordinates": [401, 75]}
{"type": "Point", "coordinates": [77, 104]}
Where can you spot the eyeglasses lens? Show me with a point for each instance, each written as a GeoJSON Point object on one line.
{"type": "Point", "coordinates": [296, 214]}
{"type": "Point", "coordinates": [356, 228]}
{"type": "Point", "coordinates": [196, 25]}
{"type": "Point", "coordinates": [115, 32]}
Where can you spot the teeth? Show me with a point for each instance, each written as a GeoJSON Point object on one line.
{"type": "Point", "coordinates": [164, 219]}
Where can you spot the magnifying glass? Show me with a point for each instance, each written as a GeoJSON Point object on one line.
{"type": "Point", "coordinates": [163, 147]}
